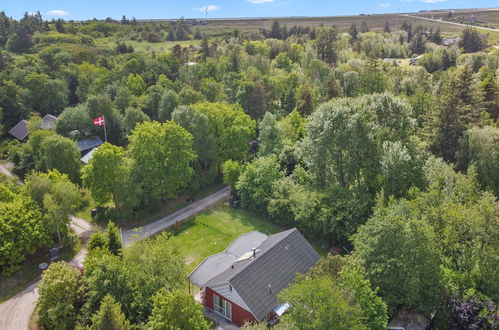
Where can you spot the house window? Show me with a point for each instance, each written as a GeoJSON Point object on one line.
{"type": "Point", "coordinates": [222, 307]}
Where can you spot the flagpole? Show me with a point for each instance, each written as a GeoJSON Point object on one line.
{"type": "Point", "coordinates": [105, 134]}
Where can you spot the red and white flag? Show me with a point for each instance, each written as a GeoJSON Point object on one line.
{"type": "Point", "coordinates": [99, 121]}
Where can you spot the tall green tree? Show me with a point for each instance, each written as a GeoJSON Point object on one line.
{"type": "Point", "coordinates": [114, 239]}
{"type": "Point", "coordinates": [22, 232]}
{"type": "Point", "coordinates": [269, 138]}
{"type": "Point", "coordinates": [458, 109]}
{"type": "Point", "coordinates": [320, 304]}
{"type": "Point", "coordinates": [110, 316]}
{"type": "Point", "coordinates": [169, 101]}
{"type": "Point", "coordinates": [334, 127]}
{"type": "Point", "coordinates": [231, 128]}
{"type": "Point", "coordinates": [60, 296]}
{"type": "Point", "coordinates": [104, 172]}
{"type": "Point", "coordinates": [255, 182]}
{"type": "Point", "coordinates": [133, 116]}
{"type": "Point", "coordinates": [401, 258]}
{"type": "Point", "coordinates": [62, 154]}
{"type": "Point", "coordinates": [471, 41]}
{"type": "Point", "coordinates": [480, 147]}
{"type": "Point", "coordinates": [326, 44]}
{"type": "Point", "coordinates": [176, 310]}
{"type": "Point", "coordinates": [162, 153]}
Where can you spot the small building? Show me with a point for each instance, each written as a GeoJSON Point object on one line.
{"type": "Point", "coordinates": [48, 122]}
{"type": "Point", "coordinates": [20, 131]}
{"type": "Point", "coordinates": [85, 159]}
{"type": "Point", "coordinates": [451, 41]}
{"type": "Point", "coordinates": [241, 284]}
{"type": "Point", "coordinates": [414, 60]}
{"type": "Point", "coordinates": [88, 144]}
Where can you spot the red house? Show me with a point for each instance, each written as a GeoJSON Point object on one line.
{"type": "Point", "coordinates": [241, 283]}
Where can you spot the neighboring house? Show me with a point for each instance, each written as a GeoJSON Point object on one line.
{"type": "Point", "coordinates": [242, 283]}
{"type": "Point", "coordinates": [48, 122]}
{"type": "Point", "coordinates": [20, 131]}
{"type": "Point", "coordinates": [88, 144]}
{"type": "Point", "coordinates": [450, 41]}
{"type": "Point", "coordinates": [414, 60]}
{"type": "Point", "coordinates": [85, 159]}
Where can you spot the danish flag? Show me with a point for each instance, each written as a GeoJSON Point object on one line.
{"type": "Point", "coordinates": [99, 121]}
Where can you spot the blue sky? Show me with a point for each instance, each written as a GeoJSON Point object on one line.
{"type": "Point", "coordinates": [88, 9]}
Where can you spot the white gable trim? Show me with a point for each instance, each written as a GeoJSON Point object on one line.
{"type": "Point", "coordinates": [224, 290]}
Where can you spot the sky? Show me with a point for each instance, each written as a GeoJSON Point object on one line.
{"type": "Point", "coordinates": [154, 9]}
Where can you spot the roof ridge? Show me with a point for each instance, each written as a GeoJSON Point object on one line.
{"type": "Point", "coordinates": [234, 241]}
{"type": "Point", "coordinates": [223, 252]}
{"type": "Point", "coordinates": [290, 231]}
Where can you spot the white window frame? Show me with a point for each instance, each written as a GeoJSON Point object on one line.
{"type": "Point", "coordinates": [224, 309]}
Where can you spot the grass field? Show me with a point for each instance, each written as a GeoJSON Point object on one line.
{"type": "Point", "coordinates": [222, 27]}
{"type": "Point", "coordinates": [211, 232]}
{"type": "Point", "coordinates": [485, 17]}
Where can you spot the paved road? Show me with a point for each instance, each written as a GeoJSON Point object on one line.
{"type": "Point", "coordinates": [132, 235]}
{"type": "Point", "coordinates": [453, 23]}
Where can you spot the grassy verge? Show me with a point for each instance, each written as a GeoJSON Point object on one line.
{"type": "Point", "coordinates": [211, 232]}
{"type": "Point", "coordinates": [171, 206]}
{"type": "Point", "coordinates": [15, 283]}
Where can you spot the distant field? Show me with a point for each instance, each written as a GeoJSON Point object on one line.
{"type": "Point", "coordinates": [223, 27]}
{"type": "Point", "coordinates": [488, 17]}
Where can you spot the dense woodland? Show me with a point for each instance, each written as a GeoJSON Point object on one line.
{"type": "Point", "coordinates": [397, 164]}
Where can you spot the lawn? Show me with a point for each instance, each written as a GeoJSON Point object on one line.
{"type": "Point", "coordinates": [211, 232]}
{"type": "Point", "coordinates": [170, 206]}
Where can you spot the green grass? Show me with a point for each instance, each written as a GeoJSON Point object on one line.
{"type": "Point", "coordinates": [29, 271]}
{"type": "Point", "coordinates": [211, 232]}
{"type": "Point", "coordinates": [171, 206]}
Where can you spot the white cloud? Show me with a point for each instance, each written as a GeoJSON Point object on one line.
{"type": "Point", "coordinates": [385, 4]}
{"type": "Point", "coordinates": [432, 1]}
{"type": "Point", "coordinates": [57, 12]}
{"type": "Point", "coordinates": [209, 8]}
{"type": "Point", "coordinates": [259, 2]}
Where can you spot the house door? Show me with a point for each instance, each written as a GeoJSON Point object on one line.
{"type": "Point", "coordinates": [222, 307]}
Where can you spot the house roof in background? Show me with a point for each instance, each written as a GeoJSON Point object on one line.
{"type": "Point", "coordinates": [258, 280]}
{"type": "Point", "coordinates": [217, 263]}
{"type": "Point", "coordinates": [20, 131]}
{"type": "Point", "coordinates": [85, 159]}
{"type": "Point", "coordinates": [48, 122]}
{"type": "Point", "coordinates": [87, 144]}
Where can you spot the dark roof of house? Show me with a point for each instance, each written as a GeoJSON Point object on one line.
{"type": "Point", "coordinates": [89, 143]}
{"type": "Point", "coordinates": [20, 131]}
{"type": "Point", "coordinates": [48, 122]}
{"type": "Point", "coordinates": [258, 280]}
